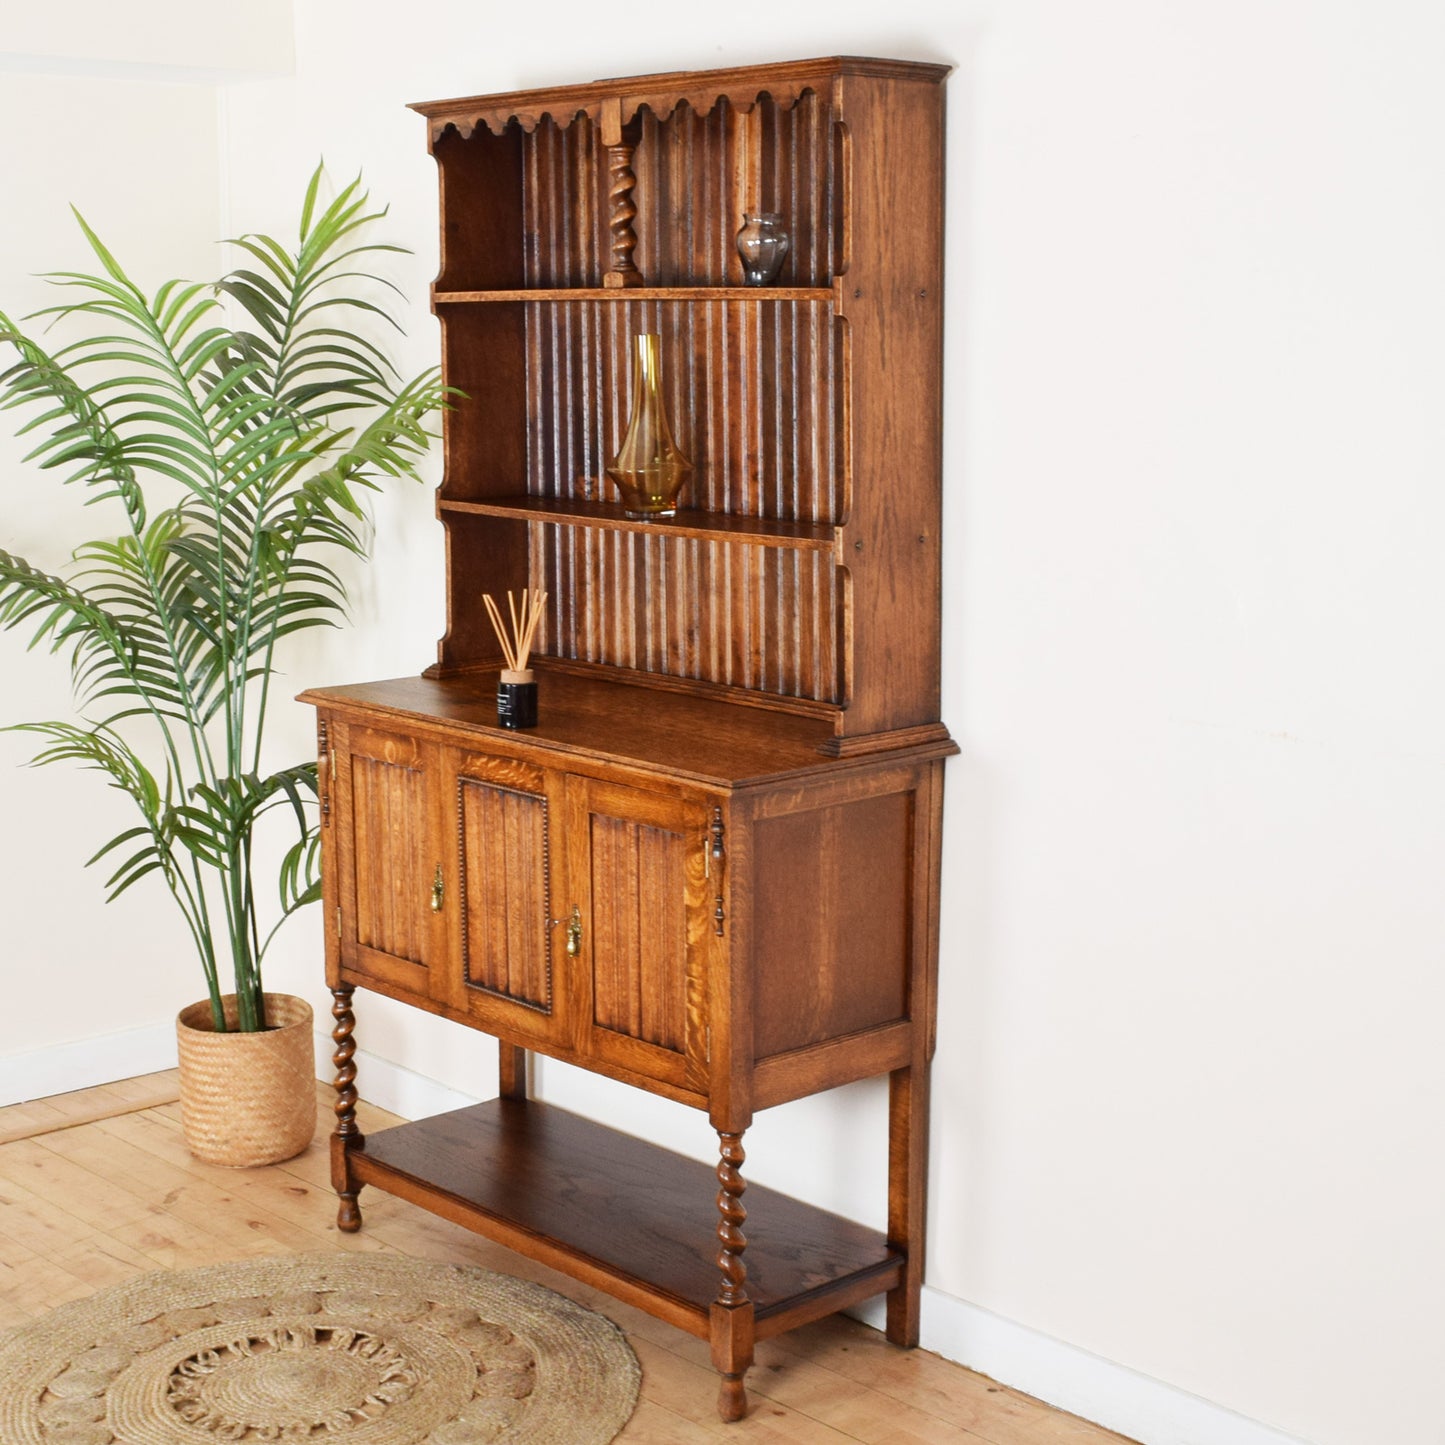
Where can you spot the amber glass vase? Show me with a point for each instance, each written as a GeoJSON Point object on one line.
{"type": "Point", "coordinates": [648, 468]}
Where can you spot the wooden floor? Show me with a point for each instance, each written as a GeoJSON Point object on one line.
{"type": "Point", "coordinates": [97, 1186]}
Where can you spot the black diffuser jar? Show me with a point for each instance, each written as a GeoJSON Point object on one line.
{"type": "Point", "coordinates": [516, 700]}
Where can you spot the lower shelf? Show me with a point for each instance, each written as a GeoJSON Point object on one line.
{"type": "Point", "coordinates": [633, 1219]}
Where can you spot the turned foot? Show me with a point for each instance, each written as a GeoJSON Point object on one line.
{"type": "Point", "coordinates": [348, 1214]}
{"type": "Point", "coordinates": [732, 1399]}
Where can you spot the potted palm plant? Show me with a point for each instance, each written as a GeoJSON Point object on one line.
{"type": "Point", "coordinates": [230, 431]}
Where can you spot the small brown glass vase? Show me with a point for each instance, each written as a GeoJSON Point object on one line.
{"type": "Point", "coordinates": [763, 246]}
{"type": "Point", "coordinates": [649, 469]}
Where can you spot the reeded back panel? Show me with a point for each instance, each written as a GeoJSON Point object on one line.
{"type": "Point", "coordinates": [751, 396]}
{"type": "Point", "coordinates": [696, 177]}
{"type": "Point", "coordinates": [761, 618]}
{"type": "Point", "coordinates": [564, 204]}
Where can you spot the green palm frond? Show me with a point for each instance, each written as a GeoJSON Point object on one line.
{"type": "Point", "coordinates": [257, 435]}
{"type": "Point", "coordinates": [64, 614]}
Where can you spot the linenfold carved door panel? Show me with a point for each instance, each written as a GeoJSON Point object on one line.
{"type": "Point", "coordinates": [506, 934]}
{"type": "Point", "coordinates": [391, 876]}
{"type": "Point", "coordinates": [546, 907]}
{"type": "Point", "coordinates": [637, 872]}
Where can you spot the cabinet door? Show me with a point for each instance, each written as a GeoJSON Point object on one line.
{"type": "Point", "coordinates": [390, 858]}
{"type": "Point", "coordinates": [504, 938]}
{"type": "Point", "coordinates": [636, 870]}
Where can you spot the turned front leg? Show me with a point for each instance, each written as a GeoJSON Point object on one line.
{"type": "Point", "coordinates": [732, 1318]}
{"type": "Point", "coordinates": [348, 1135]}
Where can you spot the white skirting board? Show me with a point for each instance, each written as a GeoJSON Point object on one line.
{"type": "Point", "coordinates": [391, 1087]}
{"type": "Point", "coordinates": [63, 1068]}
{"type": "Point", "coordinates": [1060, 1374]}
{"type": "Point", "coordinates": [1072, 1379]}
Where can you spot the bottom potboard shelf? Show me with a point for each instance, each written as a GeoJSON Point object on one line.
{"type": "Point", "coordinates": [632, 1218]}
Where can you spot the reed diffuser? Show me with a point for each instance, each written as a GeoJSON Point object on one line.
{"type": "Point", "coordinates": [517, 689]}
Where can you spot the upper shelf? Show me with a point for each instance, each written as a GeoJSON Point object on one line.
{"type": "Point", "coordinates": [636, 293]}
{"type": "Point", "coordinates": [655, 204]}
{"type": "Point", "coordinates": [662, 94]}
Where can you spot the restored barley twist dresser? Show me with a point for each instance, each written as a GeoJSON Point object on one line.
{"type": "Point", "coordinates": [711, 870]}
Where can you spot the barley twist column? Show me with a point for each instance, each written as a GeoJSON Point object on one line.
{"type": "Point", "coordinates": [730, 1235]}
{"type": "Point", "coordinates": [347, 1136]}
{"type": "Point", "coordinates": [621, 212]}
{"type": "Point", "coordinates": [732, 1313]}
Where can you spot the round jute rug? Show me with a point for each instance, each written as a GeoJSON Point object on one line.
{"type": "Point", "coordinates": [332, 1349]}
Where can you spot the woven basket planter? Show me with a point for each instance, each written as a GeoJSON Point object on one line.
{"type": "Point", "coordinates": [247, 1099]}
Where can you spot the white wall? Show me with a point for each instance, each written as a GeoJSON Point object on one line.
{"type": "Point", "coordinates": [121, 120]}
{"type": "Point", "coordinates": [73, 968]}
{"type": "Point", "coordinates": [171, 41]}
{"type": "Point", "coordinates": [1190, 1080]}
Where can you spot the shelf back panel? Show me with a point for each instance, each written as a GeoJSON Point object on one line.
{"type": "Point", "coordinates": [564, 204]}
{"type": "Point", "coordinates": [697, 175]}
{"type": "Point", "coordinates": [750, 392]}
{"type": "Point", "coordinates": [760, 618]}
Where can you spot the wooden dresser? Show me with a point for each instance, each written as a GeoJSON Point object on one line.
{"type": "Point", "coordinates": [711, 870]}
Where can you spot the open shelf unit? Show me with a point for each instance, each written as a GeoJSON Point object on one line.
{"type": "Point", "coordinates": [573, 221]}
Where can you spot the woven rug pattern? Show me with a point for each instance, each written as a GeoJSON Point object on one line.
{"type": "Point", "coordinates": [331, 1349]}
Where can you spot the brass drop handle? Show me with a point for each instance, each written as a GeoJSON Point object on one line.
{"type": "Point", "coordinates": [574, 933]}
{"type": "Point", "coordinates": [438, 891]}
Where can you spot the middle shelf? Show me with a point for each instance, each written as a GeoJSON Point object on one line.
{"type": "Point", "coordinates": [755, 395]}
{"type": "Point", "coordinates": [728, 294]}
{"type": "Point", "coordinates": [709, 526]}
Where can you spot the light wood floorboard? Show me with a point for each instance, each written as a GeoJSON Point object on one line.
{"type": "Point", "coordinates": [85, 1106]}
{"type": "Point", "coordinates": [97, 1186]}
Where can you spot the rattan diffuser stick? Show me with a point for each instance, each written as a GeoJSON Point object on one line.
{"type": "Point", "coordinates": [517, 644]}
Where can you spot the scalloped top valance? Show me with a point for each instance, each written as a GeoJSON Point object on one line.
{"type": "Point", "coordinates": [620, 99]}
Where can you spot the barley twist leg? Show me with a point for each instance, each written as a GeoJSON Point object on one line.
{"type": "Point", "coordinates": [348, 1135]}
{"type": "Point", "coordinates": [732, 1317]}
